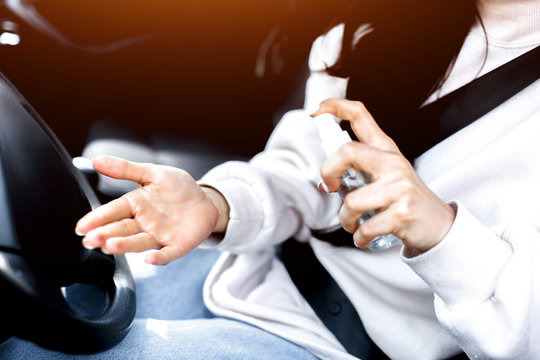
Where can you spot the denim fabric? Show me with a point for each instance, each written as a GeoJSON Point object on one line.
{"type": "Point", "coordinates": [173, 323]}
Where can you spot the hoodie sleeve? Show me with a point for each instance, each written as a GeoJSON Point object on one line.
{"type": "Point", "coordinates": [487, 287]}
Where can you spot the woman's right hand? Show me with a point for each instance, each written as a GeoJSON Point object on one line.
{"type": "Point", "coordinates": [169, 212]}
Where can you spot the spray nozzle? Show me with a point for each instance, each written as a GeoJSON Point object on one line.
{"type": "Point", "coordinates": [331, 134]}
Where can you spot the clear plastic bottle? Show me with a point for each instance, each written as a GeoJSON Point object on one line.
{"type": "Point", "coordinates": [333, 137]}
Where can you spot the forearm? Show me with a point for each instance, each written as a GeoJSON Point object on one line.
{"type": "Point", "coordinates": [274, 196]}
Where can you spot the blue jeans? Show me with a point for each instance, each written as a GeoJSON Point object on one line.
{"type": "Point", "coordinates": [172, 322]}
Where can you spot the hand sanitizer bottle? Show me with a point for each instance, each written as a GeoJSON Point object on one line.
{"type": "Point", "coordinates": [333, 137]}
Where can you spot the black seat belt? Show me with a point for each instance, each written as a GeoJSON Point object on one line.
{"type": "Point", "coordinates": [439, 120]}
{"type": "Point", "coordinates": [453, 112]}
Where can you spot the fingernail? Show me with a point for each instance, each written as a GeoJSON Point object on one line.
{"type": "Point", "coordinates": [88, 244]}
{"type": "Point", "coordinates": [105, 251]}
{"type": "Point", "coordinates": [92, 240]}
{"type": "Point", "coordinates": [150, 258]}
{"type": "Point", "coordinates": [323, 187]}
{"type": "Point", "coordinates": [80, 225]}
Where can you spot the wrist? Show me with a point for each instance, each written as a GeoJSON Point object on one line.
{"type": "Point", "coordinates": [221, 206]}
{"type": "Point", "coordinates": [441, 228]}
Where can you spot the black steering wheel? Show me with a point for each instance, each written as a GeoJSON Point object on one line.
{"type": "Point", "coordinates": [42, 260]}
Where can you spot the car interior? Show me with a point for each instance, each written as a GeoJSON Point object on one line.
{"type": "Point", "coordinates": [186, 83]}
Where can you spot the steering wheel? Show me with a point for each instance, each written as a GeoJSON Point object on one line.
{"type": "Point", "coordinates": [42, 260]}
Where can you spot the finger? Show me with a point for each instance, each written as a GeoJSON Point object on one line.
{"type": "Point", "coordinates": [123, 169]}
{"type": "Point", "coordinates": [115, 210]}
{"type": "Point", "coordinates": [363, 124]}
{"type": "Point", "coordinates": [97, 237]}
{"type": "Point", "coordinates": [363, 158]}
{"type": "Point", "coordinates": [380, 224]}
{"type": "Point", "coordinates": [134, 243]}
{"type": "Point", "coordinates": [165, 255]}
{"type": "Point", "coordinates": [364, 200]}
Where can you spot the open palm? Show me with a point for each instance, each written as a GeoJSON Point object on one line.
{"type": "Point", "coordinates": [169, 212]}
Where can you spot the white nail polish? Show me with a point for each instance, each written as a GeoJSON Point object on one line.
{"type": "Point", "coordinates": [324, 187]}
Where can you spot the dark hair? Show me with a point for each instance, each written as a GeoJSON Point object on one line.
{"type": "Point", "coordinates": [394, 68]}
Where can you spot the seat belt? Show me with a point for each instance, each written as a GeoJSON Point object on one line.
{"type": "Point", "coordinates": [440, 119]}
{"type": "Point", "coordinates": [453, 112]}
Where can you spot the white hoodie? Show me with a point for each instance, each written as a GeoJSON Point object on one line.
{"type": "Point", "coordinates": [478, 290]}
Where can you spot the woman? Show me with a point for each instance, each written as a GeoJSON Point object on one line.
{"type": "Point", "coordinates": [464, 209]}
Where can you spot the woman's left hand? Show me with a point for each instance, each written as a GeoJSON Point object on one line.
{"type": "Point", "coordinates": [407, 207]}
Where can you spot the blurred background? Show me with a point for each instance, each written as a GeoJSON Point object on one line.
{"type": "Point", "coordinates": [221, 71]}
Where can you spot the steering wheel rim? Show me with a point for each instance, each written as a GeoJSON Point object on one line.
{"type": "Point", "coordinates": [41, 197]}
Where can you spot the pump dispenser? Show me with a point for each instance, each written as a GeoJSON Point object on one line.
{"type": "Point", "coordinates": [333, 137]}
